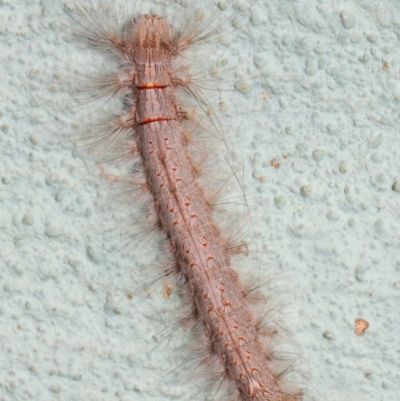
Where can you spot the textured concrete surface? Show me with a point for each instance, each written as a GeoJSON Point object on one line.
{"type": "Point", "coordinates": [315, 118]}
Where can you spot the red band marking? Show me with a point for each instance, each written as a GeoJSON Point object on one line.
{"type": "Point", "coordinates": [155, 119]}
{"type": "Point", "coordinates": [152, 86]}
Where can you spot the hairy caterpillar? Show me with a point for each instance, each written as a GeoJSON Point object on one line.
{"type": "Point", "coordinates": [153, 132]}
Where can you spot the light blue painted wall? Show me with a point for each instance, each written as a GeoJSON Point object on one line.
{"type": "Point", "coordinates": [323, 103]}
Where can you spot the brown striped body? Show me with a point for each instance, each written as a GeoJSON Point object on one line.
{"type": "Point", "coordinates": [184, 214]}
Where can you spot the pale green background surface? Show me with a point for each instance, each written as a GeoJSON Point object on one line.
{"type": "Point", "coordinates": [323, 103]}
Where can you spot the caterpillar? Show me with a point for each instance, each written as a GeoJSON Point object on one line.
{"type": "Point", "coordinates": [153, 129]}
